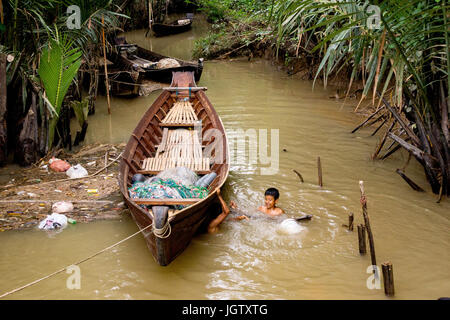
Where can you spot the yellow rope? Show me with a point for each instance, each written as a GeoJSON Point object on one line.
{"type": "Point", "coordinates": [164, 232]}
{"type": "Point", "coordinates": [77, 263]}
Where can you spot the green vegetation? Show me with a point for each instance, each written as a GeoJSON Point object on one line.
{"type": "Point", "coordinates": [226, 10]}
{"type": "Point", "coordinates": [47, 53]}
{"type": "Point", "coordinates": [236, 23]}
{"type": "Point", "coordinates": [401, 60]}
{"type": "Point", "coordinates": [57, 69]}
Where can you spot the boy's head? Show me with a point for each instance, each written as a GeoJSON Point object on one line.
{"type": "Point", "coordinates": [270, 197]}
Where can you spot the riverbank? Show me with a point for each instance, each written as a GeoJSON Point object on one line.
{"type": "Point", "coordinates": [355, 61]}
{"type": "Point", "coordinates": [230, 39]}
{"type": "Point", "coordinates": [28, 196]}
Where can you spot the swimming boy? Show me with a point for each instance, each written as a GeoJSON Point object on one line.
{"type": "Point", "coordinates": [270, 208]}
{"type": "Point", "coordinates": [270, 200]}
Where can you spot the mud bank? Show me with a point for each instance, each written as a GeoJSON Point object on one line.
{"type": "Point", "coordinates": [28, 196]}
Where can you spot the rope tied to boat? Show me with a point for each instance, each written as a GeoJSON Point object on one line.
{"type": "Point", "coordinates": [164, 232]}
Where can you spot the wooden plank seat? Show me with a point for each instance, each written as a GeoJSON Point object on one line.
{"type": "Point", "coordinates": [187, 124]}
{"type": "Point", "coordinates": [155, 165]}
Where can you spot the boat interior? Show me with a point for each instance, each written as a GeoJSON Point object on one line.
{"type": "Point", "coordinates": [173, 138]}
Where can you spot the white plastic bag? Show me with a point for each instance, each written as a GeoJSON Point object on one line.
{"type": "Point", "coordinates": [53, 221]}
{"type": "Point", "coordinates": [77, 172]}
{"type": "Point", "coordinates": [290, 226]}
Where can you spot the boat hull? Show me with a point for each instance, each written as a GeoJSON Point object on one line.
{"type": "Point", "coordinates": [184, 223]}
{"type": "Point", "coordinates": [183, 229]}
{"type": "Point", "coordinates": [159, 75]}
{"type": "Point", "coordinates": [161, 29]}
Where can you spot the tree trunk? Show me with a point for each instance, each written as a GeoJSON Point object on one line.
{"type": "Point", "coordinates": [28, 138]}
{"type": "Point", "coordinates": [63, 126]}
{"type": "Point", "coordinates": [93, 87]}
{"type": "Point", "coordinates": [43, 136]}
{"type": "Point", "coordinates": [3, 129]}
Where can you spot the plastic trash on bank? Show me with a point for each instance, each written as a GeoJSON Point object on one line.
{"type": "Point", "coordinates": [62, 207]}
{"type": "Point", "coordinates": [58, 165]}
{"type": "Point", "coordinates": [77, 171]}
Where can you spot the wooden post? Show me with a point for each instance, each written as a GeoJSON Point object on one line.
{"type": "Point", "coordinates": [3, 129]}
{"type": "Point", "coordinates": [319, 167]}
{"type": "Point", "coordinates": [350, 221]}
{"type": "Point", "coordinates": [367, 224]}
{"type": "Point", "coordinates": [362, 239]}
{"type": "Point", "coordinates": [106, 67]}
{"type": "Point", "coordinates": [150, 15]}
{"type": "Point", "coordinates": [388, 278]}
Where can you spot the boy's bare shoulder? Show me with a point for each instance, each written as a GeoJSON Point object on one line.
{"type": "Point", "coordinates": [277, 212]}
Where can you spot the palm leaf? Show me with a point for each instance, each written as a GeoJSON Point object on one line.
{"type": "Point", "coordinates": [57, 69]}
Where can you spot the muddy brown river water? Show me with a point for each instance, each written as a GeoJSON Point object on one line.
{"type": "Point", "coordinates": [252, 259]}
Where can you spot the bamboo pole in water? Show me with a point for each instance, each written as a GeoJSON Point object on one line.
{"type": "Point", "coordinates": [150, 14]}
{"type": "Point", "coordinates": [150, 17]}
{"type": "Point", "coordinates": [383, 140]}
{"type": "Point", "coordinates": [106, 67]}
{"type": "Point", "coordinates": [411, 183]}
{"type": "Point", "coordinates": [367, 225]}
{"type": "Point", "coordinates": [319, 167]}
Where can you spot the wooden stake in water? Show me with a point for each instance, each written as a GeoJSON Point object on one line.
{"type": "Point", "coordinates": [362, 239]}
{"type": "Point", "coordinates": [319, 167]}
{"type": "Point", "coordinates": [350, 221]}
{"type": "Point", "coordinates": [106, 67]}
{"type": "Point", "coordinates": [367, 224]}
{"type": "Point", "coordinates": [388, 278]}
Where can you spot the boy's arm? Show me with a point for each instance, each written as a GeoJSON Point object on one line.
{"type": "Point", "coordinates": [214, 224]}
{"type": "Point", "coordinates": [235, 209]}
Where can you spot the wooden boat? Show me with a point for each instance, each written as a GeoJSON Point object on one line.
{"type": "Point", "coordinates": [173, 27]}
{"type": "Point", "coordinates": [148, 63]}
{"type": "Point", "coordinates": [168, 231]}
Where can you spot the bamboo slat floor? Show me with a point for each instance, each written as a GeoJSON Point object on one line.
{"type": "Point", "coordinates": [179, 147]}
